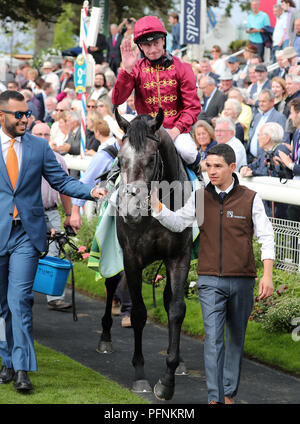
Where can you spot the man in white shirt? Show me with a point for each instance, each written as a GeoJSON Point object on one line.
{"type": "Point", "coordinates": [278, 33]}
{"type": "Point", "coordinates": [232, 214]}
{"type": "Point", "coordinates": [50, 76]}
{"type": "Point", "coordinates": [225, 134]}
{"type": "Point", "coordinates": [266, 113]}
{"type": "Point", "coordinates": [99, 89]}
{"type": "Point", "coordinates": [262, 82]}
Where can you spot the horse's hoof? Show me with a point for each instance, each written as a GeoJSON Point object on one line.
{"type": "Point", "coordinates": [141, 386]}
{"type": "Point", "coordinates": [163, 392]}
{"type": "Point", "coordinates": [104, 347]}
{"type": "Point", "coordinates": [181, 369]}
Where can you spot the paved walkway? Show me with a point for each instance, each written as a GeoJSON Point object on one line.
{"type": "Point", "coordinates": [78, 340]}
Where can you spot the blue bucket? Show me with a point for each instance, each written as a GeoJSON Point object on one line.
{"type": "Point", "coordinates": [51, 276]}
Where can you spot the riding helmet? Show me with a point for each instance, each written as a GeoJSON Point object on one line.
{"type": "Point", "coordinates": [148, 28]}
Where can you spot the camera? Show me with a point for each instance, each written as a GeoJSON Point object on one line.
{"type": "Point", "coordinates": [70, 232]}
{"type": "Point", "coordinates": [129, 21]}
{"type": "Point", "coordinates": [282, 172]}
{"type": "Point", "coordinates": [270, 160]}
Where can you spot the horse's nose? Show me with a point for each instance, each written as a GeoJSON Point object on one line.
{"type": "Point", "coordinates": [135, 191]}
{"type": "Point", "coordinates": [132, 190]}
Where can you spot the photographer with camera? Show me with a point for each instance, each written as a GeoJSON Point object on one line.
{"type": "Point", "coordinates": [291, 160]}
{"type": "Point", "coordinates": [267, 164]}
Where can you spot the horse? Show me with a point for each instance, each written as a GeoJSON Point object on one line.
{"type": "Point", "coordinates": [148, 154]}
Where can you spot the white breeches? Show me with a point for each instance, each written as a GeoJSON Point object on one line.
{"type": "Point", "coordinates": [186, 147]}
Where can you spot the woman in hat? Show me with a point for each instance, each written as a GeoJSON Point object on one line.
{"type": "Point", "coordinates": [250, 51]}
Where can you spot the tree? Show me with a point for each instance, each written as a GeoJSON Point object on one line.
{"type": "Point", "coordinates": [49, 10]}
{"type": "Point", "coordinates": [244, 4]}
{"type": "Point", "coordinates": [27, 10]}
{"type": "Point", "coordinates": [120, 9]}
{"type": "Point", "coordinates": [67, 27]}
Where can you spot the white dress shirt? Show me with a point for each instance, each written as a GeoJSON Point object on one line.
{"type": "Point", "coordinates": [182, 218]}
{"type": "Point", "coordinates": [240, 152]}
{"type": "Point", "coordinates": [279, 28]}
{"type": "Point", "coordinates": [5, 143]}
{"type": "Point", "coordinates": [209, 98]}
{"type": "Point", "coordinates": [254, 140]}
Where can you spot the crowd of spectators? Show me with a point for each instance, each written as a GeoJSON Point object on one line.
{"type": "Point", "coordinates": [239, 93]}
{"type": "Point", "coordinates": [253, 91]}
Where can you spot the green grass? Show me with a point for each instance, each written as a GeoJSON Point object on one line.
{"type": "Point", "coordinates": [274, 349]}
{"type": "Point", "coordinates": [60, 380]}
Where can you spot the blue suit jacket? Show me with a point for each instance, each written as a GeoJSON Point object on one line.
{"type": "Point", "coordinates": [37, 160]}
{"type": "Point", "coordinates": [274, 116]}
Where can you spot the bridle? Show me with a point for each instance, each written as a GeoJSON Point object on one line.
{"type": "Point", "coordinates": [157, 175]}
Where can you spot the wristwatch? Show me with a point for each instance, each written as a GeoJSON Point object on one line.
{"type": "Point", "coordinates": [291, 165]}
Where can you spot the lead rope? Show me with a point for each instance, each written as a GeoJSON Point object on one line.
{"type": "Point", "coordinates": [75, 318]}
{"type": "Point", "coordinates": [153, 284]}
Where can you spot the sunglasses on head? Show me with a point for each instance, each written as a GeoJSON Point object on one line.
{"type": "Point", "coordinates": [19, 114]}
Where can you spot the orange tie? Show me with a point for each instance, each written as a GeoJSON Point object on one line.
{"type": "Point", "coordinates": [12, 167]}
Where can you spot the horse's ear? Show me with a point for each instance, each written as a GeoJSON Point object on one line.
{"type": "Point", "coordinates": [122, 122]}
{"type": "Point", "coordinates": [156, 123]}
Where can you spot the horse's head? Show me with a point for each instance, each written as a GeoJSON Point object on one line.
{"type": "Point", "coordinates": [140, 164]}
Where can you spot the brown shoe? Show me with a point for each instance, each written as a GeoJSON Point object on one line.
{"type": "Point", "coordinates": [115, 309]}
{"type": "Point", "coordinates": [213, 402]}
{"type": "Point", "coordinates": [126, 322]}
{"type": "Point", "coordinates": [59, 305]}
{"type": "Point", "coordinates": [229, 401]}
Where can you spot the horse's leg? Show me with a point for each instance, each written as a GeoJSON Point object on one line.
{"type": "Point", "coordinates": [138, 321]}
{"type": "Point", "coordinates": [105, 343]}
{"type": "Point", "coordinates": [174, 300]}
{"type": "Point", "coordinates": [181, 369]}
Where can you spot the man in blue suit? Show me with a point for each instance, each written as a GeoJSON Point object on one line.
{"type": "Point", "coordinates": [23, 231]}
{"type": "Point", "coordinates": [266, 113]}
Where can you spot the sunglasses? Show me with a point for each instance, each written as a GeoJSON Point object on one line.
{"type": "Point", "coordinates": [91, 107]}
{"type": "Point", "coordinates": [59, 110]}
{"type": "Point", "coordinates": [19, 114]}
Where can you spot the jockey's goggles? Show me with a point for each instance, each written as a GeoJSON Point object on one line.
{"type": "Point", "coordinates": [150, 37]}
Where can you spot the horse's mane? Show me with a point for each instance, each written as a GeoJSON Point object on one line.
{"type": "Point", "coordinates": [138, 131]}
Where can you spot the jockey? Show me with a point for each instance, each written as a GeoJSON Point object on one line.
{"type": "Point", "coordinates": [160, 80]}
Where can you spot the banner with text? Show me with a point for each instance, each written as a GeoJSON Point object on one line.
{"type": "Point", "coordinates": [190, 22]}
